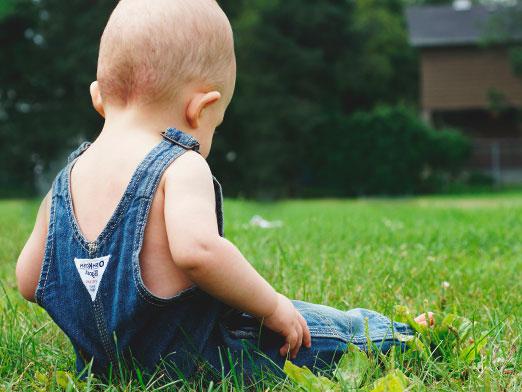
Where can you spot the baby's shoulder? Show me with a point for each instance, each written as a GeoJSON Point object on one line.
{"type": "Point", "coordinates": [188, 182]}
{"type": "Point", "coordinates": [190, 166]}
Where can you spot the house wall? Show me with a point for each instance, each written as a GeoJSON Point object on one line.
{"type": "Point", "coordinates": [463, 77]}
{"type": "Point", "coordinates": [500, 158]}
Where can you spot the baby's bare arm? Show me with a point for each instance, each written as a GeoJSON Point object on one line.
{"type": "Point", "coordinates": [30, 260]}
{"type": "Point", "coordinates": [214, 263]}
{"type": "Point", "coordinates": [210, 261]}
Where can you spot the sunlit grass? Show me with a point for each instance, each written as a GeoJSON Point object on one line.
{"type": "Point", "coordinates": [358, 253]}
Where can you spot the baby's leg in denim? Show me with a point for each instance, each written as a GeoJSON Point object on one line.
{"type": "Point", "coordinates": [254, 349]}
{"type": "Point", "coordinates": [333, 329]}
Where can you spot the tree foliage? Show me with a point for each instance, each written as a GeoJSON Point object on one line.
{"type": "Point", "coordinates": [49, 52]}
{"type": "Point", "coordinates": [303, 68]}
{"type": "Point", "coordinates": [389, 150]}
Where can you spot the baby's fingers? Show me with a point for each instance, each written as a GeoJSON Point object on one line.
{"type": "Point", "coordinates": [283, 351]}
{"type": "Point", "coordinates": [307, 338]}
{"type": "Point", "coordinates": [298, 341]}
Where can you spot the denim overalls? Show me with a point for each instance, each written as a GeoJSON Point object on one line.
{"type": "Point", "coordinates": [95, 293]}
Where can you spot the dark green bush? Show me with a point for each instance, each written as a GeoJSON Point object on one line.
{"type": "Point", "coordinates": [389, 150]}
{"type": "Point", "coordinates": [449, 149]}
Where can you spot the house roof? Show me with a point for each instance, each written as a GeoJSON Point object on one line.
{"type": "Point", "coordinates": [443, 25]}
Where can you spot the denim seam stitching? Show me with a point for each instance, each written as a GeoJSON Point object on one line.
{"type": "Point", "coordinates": [330, 327]}
{"type": "Point", "coordinates": [69, 205]}
{"type": "Point", "coordinates": [142, 295]}
{"type": "Point", "coordinates": [102, 328]}
{"type": "Point", "coordinates": [329, 331]}
{"type": "Point", "coordinates": [50, 248]}
{"type": "Point", "coordinates": [325, 332]}
{"type": "Point", "coordinates": [162, 302]}
{"type": "Point", "coordinates": [152, 184]}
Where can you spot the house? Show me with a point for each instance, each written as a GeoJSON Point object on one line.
{"type": "Point", "coordinates": [467, 79]}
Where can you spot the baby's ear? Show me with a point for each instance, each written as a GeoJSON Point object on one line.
{"type": "Point", "coordinates": [198, 104]}
{"type": "Point", "coordinates": [97, 102]}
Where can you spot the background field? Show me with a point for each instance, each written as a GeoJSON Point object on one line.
{"type": "Point", "coordinates": [358, 253]}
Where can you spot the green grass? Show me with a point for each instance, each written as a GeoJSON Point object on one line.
{"type": "Point", "coordinates": [372, 253]}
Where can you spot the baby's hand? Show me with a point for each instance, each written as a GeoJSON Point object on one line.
{"type": "Point", "coordinates": [288, 322]}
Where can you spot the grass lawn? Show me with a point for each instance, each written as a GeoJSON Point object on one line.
{"type": "Point", "coordinates": [356, 253]}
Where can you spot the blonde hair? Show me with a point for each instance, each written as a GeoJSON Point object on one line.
{"type": "Point", "coordinates": [151, 48]}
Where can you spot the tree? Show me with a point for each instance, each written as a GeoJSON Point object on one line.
{"type": "Point", "coordinates": [49, 53]}
{"type": "Point", "coordinates": [301, 69]}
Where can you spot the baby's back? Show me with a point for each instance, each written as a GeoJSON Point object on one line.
{"type": "Point", "coordinates": [90, 281]}
{"type": "Point", "coordinates": [99, 179]}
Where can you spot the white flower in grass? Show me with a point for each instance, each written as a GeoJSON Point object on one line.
{"type": "Point", "coordinates": [445, 285]}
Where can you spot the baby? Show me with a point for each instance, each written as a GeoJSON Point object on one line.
{"type": "Point", "coordinates": [127, 254]}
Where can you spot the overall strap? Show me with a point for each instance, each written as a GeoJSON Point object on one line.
{"type": "Point", "coordinates": [79, 151]}
{"type": "Point", "coordinates": [60, 185]}
{"type": "Point", "coordinates": [174, 144]}
{"type": "Point", "coordinates": [189, 143]}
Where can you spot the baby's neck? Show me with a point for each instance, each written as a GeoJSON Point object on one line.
{"type": "Point", "coordinates": [142, 129]}
{"type": "Point", "coordinates": [141, 124]}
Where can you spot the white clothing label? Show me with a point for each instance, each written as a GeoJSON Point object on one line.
{"type": "Point", "coordinates": [91, 272]}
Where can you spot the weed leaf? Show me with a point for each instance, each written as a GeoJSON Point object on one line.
{"type": "Point", "coordinates": [41, 378]}
{"type": "Point", "coordinates": [394, 381]}
{"type": "Point", "coordinates": [469, 353]}
{"type": "Point", "coordinates": [419, 347]}
{"type": "Point", "coordinates": [352, 367]}
{"type": "Point", "coordinates": [63, 379]}
{"type": "Point", "coordinates": [304, 377]}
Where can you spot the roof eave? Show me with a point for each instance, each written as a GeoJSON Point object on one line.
{"type": "Point", "coordinates": [432, 43]}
